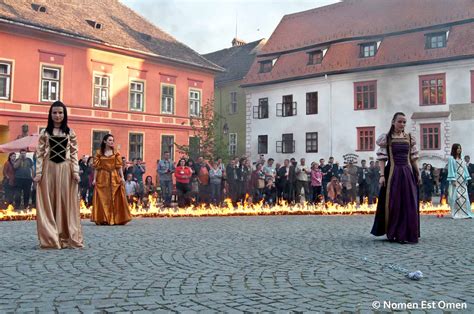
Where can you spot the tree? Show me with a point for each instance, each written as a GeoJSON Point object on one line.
{"type": "Point", "coordinates": [207, 140]}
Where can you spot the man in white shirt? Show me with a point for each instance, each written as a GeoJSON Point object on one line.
{"type": "Point", "coordinates": [131, 189]}
{"type": "Point", "coordinates": [302, 179]}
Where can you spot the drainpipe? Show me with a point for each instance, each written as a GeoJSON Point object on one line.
{"type": "Point", "coordinates": [330, 116]}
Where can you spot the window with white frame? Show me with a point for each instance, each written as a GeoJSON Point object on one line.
{"type": "Point", "coordinates": [135, 146]}
{"type": "Point", "coordinates": [233, 103]}
{"type": "Point", "coordinates": [136, 96]}
{"type": "Point", "coordinates": [232, 144]}
{"type": "Point", "coordinates": [167, 99]}
{"type": "Point", "coordinates": [194, 103]}
{"type": "Point", "coordinates": [101, 90]}
{"type": "Point", "coordinates": [50, 83]}
{"type": "Point", "coordinates": [5, 79]}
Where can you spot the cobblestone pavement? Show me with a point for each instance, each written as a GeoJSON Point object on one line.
{"type": "Point", "coordinates": [236, 264]}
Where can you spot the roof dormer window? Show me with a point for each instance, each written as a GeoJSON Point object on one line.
{"type": "Point", "coordinates": [94, 24]}
{"type": "Point", "coordinates": [267, 65]}
{"type": "Point", "coordinates": [38, 8]}
{"type": "Point", "coordinates": [436, 40]}
{"type": "Point", "coordinates": [369, 49]}
{"type": "Point", "coordinates": [315, 57]}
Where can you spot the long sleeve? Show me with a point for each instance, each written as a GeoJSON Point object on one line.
{"type": "Point", "coordinates": [451, 169]}
{"type": "Point", "coordinates": [118, 161]}
{"type": "Point", "coordinates": [413, 148]}
{"type": "Point", "coordinates": [382, 151]}
{"type": "Point", "coordinates": [41, 153]}
{"type": "Point", "coordinates": [73, 152]}
{"type": "Point", "coordinates": [96, 163]}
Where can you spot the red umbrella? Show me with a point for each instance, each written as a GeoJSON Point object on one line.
{"type": "Point", "coordinates": [28, 142]}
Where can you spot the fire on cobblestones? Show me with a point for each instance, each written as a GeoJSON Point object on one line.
{"type": "Point", "coordinates": [154, 210]}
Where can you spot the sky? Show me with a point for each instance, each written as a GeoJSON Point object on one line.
{"type": "Point", "coordinates": [210, 25]}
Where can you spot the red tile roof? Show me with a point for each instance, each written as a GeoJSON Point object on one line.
{"type": "Point", "coordinates": [400, 25]}
{"type": "Point", "coordinates": [121, 26]}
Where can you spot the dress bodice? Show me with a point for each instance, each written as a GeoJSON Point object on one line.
{"type": "Point", "coordinates": [58, 148]}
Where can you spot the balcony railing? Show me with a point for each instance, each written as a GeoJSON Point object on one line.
{"type": "Point", "coordinates": [287, 109]}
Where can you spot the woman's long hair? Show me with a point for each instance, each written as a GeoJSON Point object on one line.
{"type": "Point", "coordinates": [392, 127]}
{"type": "Point", "coordinates": [63, 126]}
{"type": "Point", "coordinates": [454, 150]}
{"type": "Point", "coordinates": [9, 157]}
{"type": "Point", "coordinates": [102, 144]}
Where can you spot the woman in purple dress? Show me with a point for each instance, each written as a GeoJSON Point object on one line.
{"type": "Point", "coordinates": [397, 213]}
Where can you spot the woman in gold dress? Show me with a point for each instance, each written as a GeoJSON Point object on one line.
{"type": "Point", "coordinates": [110, 206]}
{"type": "Point", "coordinates": [58, 217]}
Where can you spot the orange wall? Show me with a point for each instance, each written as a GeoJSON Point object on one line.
{"type": "Point", "coordinates": [77, 92]}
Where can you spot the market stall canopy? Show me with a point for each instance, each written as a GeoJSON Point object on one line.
{"type": "Point", "coordinates": [28, 142]}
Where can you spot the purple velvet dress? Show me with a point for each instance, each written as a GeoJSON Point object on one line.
{"type": "Point", "coordinates": [397, 213]}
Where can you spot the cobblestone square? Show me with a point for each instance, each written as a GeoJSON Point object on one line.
{"type": "Point", "coordinates": [236, 264]}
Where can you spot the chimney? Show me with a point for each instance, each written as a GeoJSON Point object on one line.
{"type": "Point", "coordinates": [237, 42]}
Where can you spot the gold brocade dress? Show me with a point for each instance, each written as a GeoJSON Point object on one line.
{"type": "Point", "coordinates": [58, 218]}
{"type": "Point", "coordinates": [110, 206]}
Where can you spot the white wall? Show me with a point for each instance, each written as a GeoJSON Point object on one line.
{"type": "Point", "coordinates": [336, 121]}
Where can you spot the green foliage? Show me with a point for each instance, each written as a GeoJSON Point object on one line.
{"type": "Point", "coordinates": [208, 140]}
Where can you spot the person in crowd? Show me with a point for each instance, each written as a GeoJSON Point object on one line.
{"type": "Point", "coordinates": [348, 190]}
{"type": "Point", "coordinates": [397, 213]}
{"type": "Point", "coordinates": [202, 170]}
{"type": "Point", "coordinates": [183, 176]}
{"type": "Point", "coordinates": [427, 183]}
{"type": "Point", "coordinates": [435, 171]}
{"type": "Point", "coordinates": [316, 183]}
{"type": "Point", "coordinates": [132, 190]}
{"type": "Point", "coordinates": [269, 170]}
{"type": "Point", "coordinates": [352, 170]}
{"type": "Point", "coordinates": [277, 180]}
{"type": "Point", "coordinates": [232, 182]}
{"type": "Point", "coordinates": [84, 173]}
{"type": "Point", "coordinates": [243, 176]}
{"type": "Point", "coordinates": [269, 192]}
{"type": "Point", "coordinates": [194, 184]}
{"type": "Point", "coordinates": [110, 206]}
{"type": "Point", "coordinates": [9, 179]}
{"type": "Point", "coordinates": [374, 175]}
{"type": "Point", "coordinates": [138, 171]}
{"type": "Point", "coordinates": [23, 179]}
{"type": "Point", "coordinates": [443, 183]}
{"type": "Point", "coordinates": [333, 169]}
{"type": "Point", "coordinates": [149, 190]}
{"type": "Point", "coordinates": [302, 179]}
{"type": "Point", "coordinates": [326, 176]}
{"type": "Point", "coordinates": [363, 181]}
{"type": "Point", "coordinates": [257, 183]}
{"type": "Point", "coordinates": [90, 179]}
{"type": "Point", "coordinates": [166, 169]}
{"type": "Point", "coordinates": [458, 178]}
{"type": "Point", "coordinates": [292, 181]}
{"type": "Point", "coordinates": [58, 218]}
{"type": "Point", "coordinates": [215, 179]}
{"type": "Point", "coordinates": [284, 182]}
{"type": "Point", "coordinates": [334, 189]}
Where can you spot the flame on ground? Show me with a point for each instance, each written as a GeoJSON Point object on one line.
{"type": "Point", "coordinates": [244, 208]}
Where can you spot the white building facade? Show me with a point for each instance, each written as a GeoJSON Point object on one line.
{"type": "Point", "coordinates": [339, 128]}
{"type": "Point", "coordinates": [327, 83]}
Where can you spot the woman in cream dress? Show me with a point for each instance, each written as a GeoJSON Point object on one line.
{"type": "Point", "coordinates": [58, 217]}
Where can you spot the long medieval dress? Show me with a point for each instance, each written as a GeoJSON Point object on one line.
{"type": "Point", "coordinates": [397, 213]}
{"type": "Point", "coordinates": [110, 206]}
{"type": "Point", "coordinates": [458, 198]}
{"type": "Point", "coordinates": [58, 218]}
